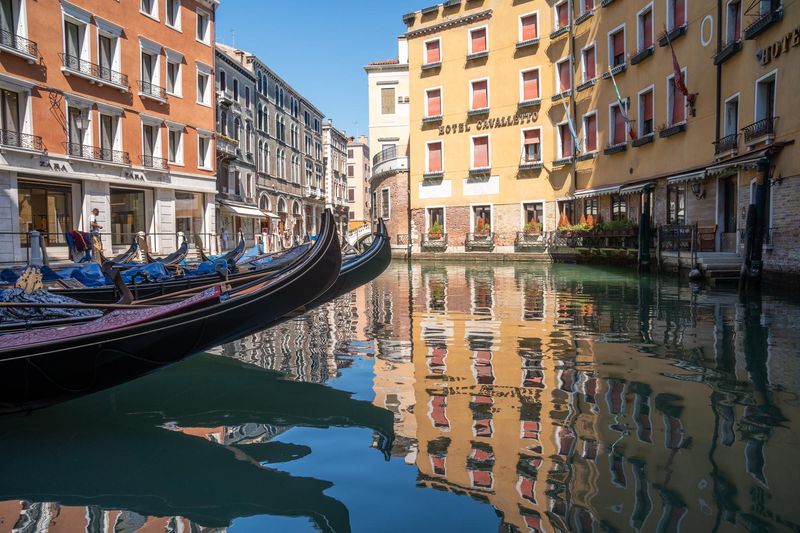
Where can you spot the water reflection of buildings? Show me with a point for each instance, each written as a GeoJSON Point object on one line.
{"type": "Point", "coordinates": [548, 394]}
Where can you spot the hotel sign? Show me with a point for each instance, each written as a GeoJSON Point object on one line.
{"type": "Point", "coordinates": [489, 123]}
{"type": "Point", "coordinates": [782, 46]}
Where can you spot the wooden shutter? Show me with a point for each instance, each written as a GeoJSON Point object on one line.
{"type": "Point", "coordinates": [563, 14]}
{"type": "Point", "coordinates": [678, 104]}
{"type": "Point", "coordinates": [434, 103]}
{"type": "Point", "coordinates": [737, 22]}
{"type": "Point", "coordinates": [647, 103]}
{"type": "Point", "coordinates": [532, 137]}
{"type": "Point", "coordinates": [480, 98]}
{"type": "Point", "coordinates": [564, 76]}
{"type": "Point", "coordinates": [530, 28]}
{"type": "Point", "coordinates": [478, 38]}
{"type": "Point", "coordinates": [387, 101]}
{"type": "Point", "coordinates": [588, 5]}
{"type": "Point", "coordinates": [567, 142]}
{"type": "Point", "coordinates": [480, 152]}
{"type": "Point", "coordinates": [680, 13]}
{"type": "Point", "coordinates": [530, 85]}
{"type": "Point", "coordinates": [619, 126]}
{"type": "Point", "coordinates": [590, 64]}
{"type": "Point", "coordinates": [591, 133]}
{"type": "Point", "coordinates": [435, 157]}
{"type": "Point", "coordinates": [432, 52]}
{"type": "Point", "coordinates": [619, 43]}
{"type": "Point", "coordinates": [647, 27]}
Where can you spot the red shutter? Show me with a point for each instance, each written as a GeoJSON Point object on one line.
{"type": "Point", "coordinates": [678, 105]}
{"type": "Point", "coordinates": [619, 126]}
{"type": "Point", "coordinates": [478, 40]}
{"type": "Point", "coordinates": [590, 64]}
{"type": "Point", "coordinates": [737, 23]}
{"type": "Point", "coordinates": [530, 85]}
{"type": "Point", "coordinates": [564, 76]}
{"type": "Point", "coordinates": [591, 133]}
{"type": "Point", "coordinates": [480, 151]}
{"type": "Point", "coordinates": [435, 157]}
{"type": "Point", "coordinates": [532, 136]}
{"type": "Point", "coordinates": [480, 98]}
{"type": "Point", "coordinates": [648, 29]}
{"type": "Point", "coordinates": [647, 103]}
{"type": "Point", "coordinates": [567, 143]}
{"type": "Point", "coordinates": [434, 103]}
{"type": "Point", "coordinates": [563, 14]}
{"type": "Point", "coordinates": [619, 43]}
{"type": "Point", "coordinates": [680, 13]}
{"type": "Point", "coordinates": [432, 49]}
{"type": "Point", "coordinates": [588, 5]}
{"type": "Point", "coordinates": [530, 28]}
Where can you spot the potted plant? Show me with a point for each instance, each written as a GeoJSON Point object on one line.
{"type": "Point", "coordinates": [436, 231]}
{"type": "Point", "coordinates": [482, 228]}
{"type": "Point", "coordinates": [533, 228]}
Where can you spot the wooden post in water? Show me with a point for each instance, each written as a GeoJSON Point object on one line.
{"type": "Point", "coordinates": [644, 231]}
{"type": "Point", "coordinates": [750, 273]}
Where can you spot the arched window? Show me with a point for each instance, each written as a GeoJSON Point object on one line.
{"type": "Point", "coordinates": [237, 125]}
{"type": "Point", "coordinates": [264, 203]}
{"type": "Point", "coordinates": [296, 209]}
{"type": "Point", "coordinates": [281, 205]}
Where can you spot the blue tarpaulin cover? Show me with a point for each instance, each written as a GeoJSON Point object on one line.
{"type": "Point", "coordinates": [207, 267]}
{"type": "Point", "coordinates": [149, 272]}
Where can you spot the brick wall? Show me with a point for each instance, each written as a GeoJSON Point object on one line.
{"type": "Point", "coordinates": [398, 198]}
{"type": "Point", "coordinates": [784, 255]}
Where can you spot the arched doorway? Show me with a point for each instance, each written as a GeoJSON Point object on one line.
{"type": "Point", "coordinates": [297, 217]}
{"type": "Point", "coordinates": [282, 215]}
{"type": "Point", "coordinates": [265, 205]}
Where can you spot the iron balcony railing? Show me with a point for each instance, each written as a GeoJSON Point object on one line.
{"type": "Point", "coordinates": [756, 130]}
{"type": "Point", "coordinates": [154, 162]}
{"type": "Point", "coordinates": [21, 140]}
{"type": "Point", "coordinates": [727, 143]}
{"type": "Point", "coordinates": [764, 21]}
{"type": "Point", "coordinates": [97, 153]}
{"type": "Point", "coordinates": [152, 90]}
{"type": "Point", "coordinates": [93, 70]}
{"type": "Point", "coordinates": [386, 154]}
{"type": "Point", "coordinates": [20, 44]}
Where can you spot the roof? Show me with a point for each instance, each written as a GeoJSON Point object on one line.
{"type": "Point", "coordinates": [394, 61]}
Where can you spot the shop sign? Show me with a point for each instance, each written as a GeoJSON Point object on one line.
{"type": "Point", "coordinates": [56, 166]}
{"type": "Point", "coordinates": [489, 123]}
{"type": "Point", "coordinates": [782, 46]}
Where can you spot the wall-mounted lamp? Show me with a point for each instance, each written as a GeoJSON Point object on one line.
{"type": "Point", "coordinates": [697, 191]}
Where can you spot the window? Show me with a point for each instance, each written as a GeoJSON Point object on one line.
{"type": "Point", "coordinates": [529, 85]}
{"type": "Point", "coordinates": [618, 125]}
{"type": "Point", "coordinates": [174, 14]}
{"type": "Point", "coordinates": [387, 101]}
{"type": "Point", "coordinates": [237, 127]}
{"type": "Point", "coordinates": [619, 207]}
{"type": "Point", "coordinates": [76, 46]}
{"type": "Point", "coordinates": [433, 52]}
{"type": "Point", "coordinates": [109, 136]}
{"type": "Point", "coordinates": [247, 96]}
{"type": "Point", "coordinates": [590, 206]}
{"type": "Point", "coordinates": [480, 152]}
{"type": "Point", "coordinates": [646, 113]}
{"type": "Point", "coordinates": [149, 8]}
{"type": "Point", "coordinates": [478, 40]}
{"type": "Point", "coordinates": [561, 13]}
{"type": "Point", "coordinates": [151, 143]}
{"type": "Point", "coordinates": [350, 153]}
{"type": "Point", "coordinates": [174, 85]}
{"type": "Point", "coordinates": [616, 47]}
{"type": "Point", "coordinates": [564, 75]}
{"type": "Point", "coordinates": [433, 102]}
{"type": "Point", "coordinates": [645, 27]}
{"type": "Point", "coordinates": [434, 159]}
{"type": "Point", "coordinates": [351, 171]}
{"type": "Point", "coordinates": [203, 22]}
{"type": "Point", "coordinates": [223, 81]}
{"type": "Point", "coordinates": [533, 213]}
{"type": "Point", "coordinates": [676, 14]}
{"type": "Point", "coordinates": [587, 6]}
{"type": "Point", "coordinates": [676, 204]}
{"type": "Point", "coordinates": [733, 30]}
{"type": "Point", "coordinates": [479, 91]}
{"type": "Point", "coordinates": [108, 52]}
{"type": "Point", "coordinates": [590, 133]}
{"type": "Point", "coordinates": [676, 101]}
{"type": "Point", "coordinates": [566, 144]}
{"type": "Point", "coordinates": [175, 146]}
{"type": "Point", "coordinates": [235, 90]}
{"type": "Point", "coordinates": [732, 115]}
{"type": "Point", "coordinates": [532, 145]}
{"type": "Point", "coordinates": [385, 204]}
{"type": "Point", "coordinates": [528, 27]}
{"type": "Point", "coordinates": [78, 134]}
{"type": "Point", "coordinates": [589, 63]}
{"type": "Point", "coordinates": [765, 97]}
{"type": "Point", "coordinates": [203, 149]}
{"type": "Point", "coordinates": [203, 91]}
{"type": "Point", "coordinates": [481, 218]}
{"type": "Point", "coordinates": [150, 73]}
{"type": "Point", "coordinates": [351, 194]}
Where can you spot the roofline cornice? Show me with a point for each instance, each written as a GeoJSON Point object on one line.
{"type": "Point", "coordinates": [447, 24]}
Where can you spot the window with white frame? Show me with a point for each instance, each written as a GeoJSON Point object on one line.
{"type": "Point", "coordinates": [13, 21]}
{"type": "Point", "coordinates": [676, 14]}
{"type": "Point", "coordinates": [203, 86]}
{"type": "Point", "coordinates": [174, 82]}
{"type": "Point", "coordinates": [479, 40]}
{"type": "Point", "coordinates": [528, 27]}
{"type": "Point", "coordinates": [589, 63]}
{"type": "Point", "coordinates": [479, 95]}
{"type": "Point", "coordinates": [109, 52]}
{"type": "Point", "coordinates": [434, 160]}
{"type": "Point", "coordinates": [433, 52]}
{"type": "Point", "coordinates": [566, 144]}
{"type": "Point", "coordinates": [77, 43]}
{"type": "Point", "coordinates": [563, 75]}
{"type": "Point", "coordinates": [645, 28]}
{"type": "Point", "coordinates": [151, 141]}
{"type": "Point", "coordinates": [765, 97]}
{"type": "Point", "coordinates": [646, 120]}
{"type": "Point", "coordinates": [175, 144]}
{"type": "Point", "coordinates": [561, 15]}
{"type": "Point", "coordinates": [203, 27]}
{"type": "Point", "coordinates": [586, 6]}
{"type": "Point", "coordinates": [532, 145]}
{"type": "Point", "coordinates": [150, 71]}
{"type": "Point", "coordinates": [110, 134]}
{"type": "Point", "coordinates": [480, 149]}
{"type": "Point", "coordinates": [149, 8]}
{"type": "Point", "coordinates": [616, 47]}
{"type": "Point", "coordinates": [676, 101]}
{"type": "Point", "coordinates": [14, 113]}
{"type": "Point", "coordinates": [733, 28]}
{"type": "Point", "coordinates": [386, 208]}
{"type": "Point", "coordinates": [433, 102]}
{"type": "Point", "coordinates": [173, 19]}
{"type": "Point", "coordinates": [617, 125]}
{"type": "Point", "coordinates": [79, 128]}
{"type": "Point", "coordinates": [204, 150]}
{"type": "Point", "coordinates": [732, 115]}
{"type": "Point", "coordinates": [529, 85]}
{"type": "Point", "coordinates": [590, 132]}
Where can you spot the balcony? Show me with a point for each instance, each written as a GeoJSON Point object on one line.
{"type": "Point", "coordinates": [763, 130]}
{"type": "Point", "coordinates": [19, 46]}
{"type": "Point", "coordinates": [153, 92]}
{"type": "Point", "coordinates": [156, 163]}
{"type": "Point", "coordinates": [587, 84]}
{"type": "Point", "coordinates": [223, 98]}
{"type": "Point", "coordinates": [530, 164]}
{"type": "Point", "coordinates": [479, 242]}
{"type": "Point", "coordinates": [434, 242]}
{"type": "Point", "coordinates": [529, 42]}
{"type": "Point", "coordinates": [727, 51]}
{"type": "Point", "coordinates": [727, 146]}
{"type": "Point", "coordinates": [762, 23]}
{"type": "Point", "coordinates": [560, 31]}
{"type": "Point", "coordinates": [227, 148]}
{"type": "Point", "coordinates": [667, 37]}
{"type": "Point", "coordinates": [94, 153]}
{"type": "Point", "coordinates": [389, 160]}
{"type": "Point", "coordinates": [24, 141]}
{"type": "Point", "coordinates": [642, 55]}
{"type": "Point", "coordinates": [615, 148]}
{"type": "Point", "coordinates": [618, 69]}
{"type": "Point", "coordinates": [94, 73]}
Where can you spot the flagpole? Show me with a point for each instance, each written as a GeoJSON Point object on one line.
{"type": "Point", "coordinates": [622, 105]}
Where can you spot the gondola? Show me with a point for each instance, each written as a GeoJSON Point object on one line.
{"type": "Point", "coordinates": [232, 256]}
{"type": "Point", "coordinates": [45, 366]}
{"type": "Point", "coordinates": [125, 257]}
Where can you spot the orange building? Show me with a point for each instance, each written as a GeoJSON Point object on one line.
{"type": "Point", "coordinates": [107, 106]}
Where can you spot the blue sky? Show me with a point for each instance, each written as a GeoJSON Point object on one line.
{"type": "Point", "coordinates": [320, 46]}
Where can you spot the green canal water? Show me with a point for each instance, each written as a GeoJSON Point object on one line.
{"type": "Point", "coordinates": [443, 397]}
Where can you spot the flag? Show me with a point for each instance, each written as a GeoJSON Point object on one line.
{"type": "Point", "coordinates": [571, 128]}
{"type": "Point", "coordinates": [623, 107]}
{"type": "Point", "coordinates": [680, 83]}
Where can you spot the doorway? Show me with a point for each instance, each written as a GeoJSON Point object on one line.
{"type": "Point", "coordinates": [727, 227]}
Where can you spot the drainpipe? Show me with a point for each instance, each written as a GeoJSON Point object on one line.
{"type": "Point", "coordinates": [718, 110]}
{"type": "Point", "coordinates": [573, 106]}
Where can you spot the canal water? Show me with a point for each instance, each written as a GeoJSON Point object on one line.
{"type": "Point", "coordinates": [443, 397]}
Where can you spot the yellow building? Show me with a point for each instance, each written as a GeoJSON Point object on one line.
{"type": "Point", "coordinates": [517, 128]}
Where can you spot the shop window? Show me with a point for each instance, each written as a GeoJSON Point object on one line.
{"type": "Point", "coordinates": [45, 208]}
{"type": "Point", "coordinates": [676, 204]}
{"type": "Point", "coordinates": [127, 215]}
{"type": "Point", "coordinates": [189, 211]}
{"type": "Point", "coordinates": [619, 207]}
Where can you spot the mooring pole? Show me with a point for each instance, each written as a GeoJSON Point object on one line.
{"type": "Point", "coordinates": [755, 226]}
{"type": "Point", "coordinates": [644, 231]}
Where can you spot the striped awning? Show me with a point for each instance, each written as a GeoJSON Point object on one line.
{"type": "Point", "coordinates": [688, 176]}
{"type": "Point", "coordinates": [598, 191]}
{"type": "Point", "coordinates": [636, 188]}
{"type": "Point", "coordinates": [730, 166]}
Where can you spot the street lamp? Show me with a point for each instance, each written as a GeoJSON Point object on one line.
{"type": "Point", "coordinates": [698, 193]}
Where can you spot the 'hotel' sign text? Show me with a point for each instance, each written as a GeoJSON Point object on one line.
{"type": "Point", "coordinates": [489, 123]}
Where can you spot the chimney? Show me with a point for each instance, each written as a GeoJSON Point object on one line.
{"type": "Point", "coordinates": [240, 53]}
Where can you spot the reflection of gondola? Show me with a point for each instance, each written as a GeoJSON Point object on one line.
{"type": "Point", "coordinates": [43, 366]}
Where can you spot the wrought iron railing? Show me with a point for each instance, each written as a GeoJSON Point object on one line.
{"type": "Point", "coordinates": [675, 237]}
{"type": "Point", "coordinates": [152, 90]}
{"type": "Point", "coordinates": [765, 126]}
{"type": "Point", "coordinates": [79, 150]}
{"type": "Point", "coordinates": [20, 44]}
{"type": "Point", "coordinates": [763, 22]}
{"type": "Point", "coordinates": [385, 155]}
{"type": "Point", "coordinates": [93, 70]}
{"type": "Point", "coordinates": [154, 162]}
{"type": "Point", "coordinates": [479, 241]}
{"type": "Point", "coordinates": [727, 143]}
{"type": "Point", "coordinates": [98, 154]}
{"type": "Point", "coordinates": [20, 140]}
{"type": "Point", "coordinates": [435, 243]}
